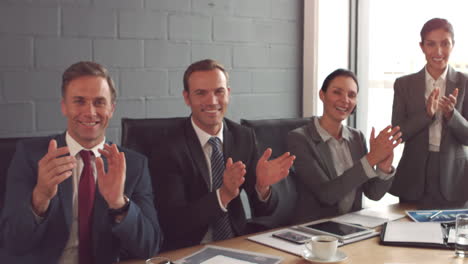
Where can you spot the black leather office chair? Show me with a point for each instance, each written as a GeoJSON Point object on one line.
{"type": "Point", "coordinates": [146, 134]}
{"type": "Point", "coordinates": [7, 149]}
{"type": "Point", "coordinates": [143, 135]}
{"type": "Point", "coordinates": [272, 133]}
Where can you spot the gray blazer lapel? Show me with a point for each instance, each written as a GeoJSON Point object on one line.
{"type": "Point", "coordinates": [227, 142]}
{"type": "Point", "coordinates": [197, 153]}
{"type": "Point", "coordinates": [418, 90]}
{"type": "Point", "coordinates": [451, 82]}
{"type": "Point", "coordinates": [65, 189]}
{"type": "Point", "coordinates": [321, 150]}
{"type": "Point", "coordinates": [450, 86]}
{"type": "Point", "coordinates": [355, 148]}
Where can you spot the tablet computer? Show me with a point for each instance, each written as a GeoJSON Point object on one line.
{"type": "Point", "coordinates": [342, 231]}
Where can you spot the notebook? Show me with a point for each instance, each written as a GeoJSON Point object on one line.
{"type": "Point", "coordinates": [416, 234]}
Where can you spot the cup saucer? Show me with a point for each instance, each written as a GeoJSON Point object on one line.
{"type": "Point", "coordinates": [309, 256]}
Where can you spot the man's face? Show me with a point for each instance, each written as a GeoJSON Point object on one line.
{"type": "Point", "coordinates": [208, 97]}
{"type": "Point", "coordinates": [437, 46]}
{"type": "Point", "coordinates": [88, 108]}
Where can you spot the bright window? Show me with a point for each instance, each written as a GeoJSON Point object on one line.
{"type": "Point", "coordinates": [388, 47]}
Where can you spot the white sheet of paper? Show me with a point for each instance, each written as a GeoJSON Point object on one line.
{"type": "Point", "coordinates": [414, 232]}
{"type": "Point", "coordinates": [225, 260]}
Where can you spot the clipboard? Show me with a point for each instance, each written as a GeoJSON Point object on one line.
{"type": "Point", "coordinates": [414, 234]}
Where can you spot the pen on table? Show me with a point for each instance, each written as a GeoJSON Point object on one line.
{"type": "Point", "coordinates": [434, 215]}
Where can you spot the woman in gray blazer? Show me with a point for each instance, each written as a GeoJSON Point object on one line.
{"type": "Point", "coordinates": [431, 107]}
{"type": "Point", "coordinates": [333, 166]}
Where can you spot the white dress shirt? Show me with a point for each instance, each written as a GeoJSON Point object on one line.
{"type": "Point", "coordinates": [435, 129]}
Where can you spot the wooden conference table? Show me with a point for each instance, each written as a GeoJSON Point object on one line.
{"type": "Point", "coordinates": [368, 251]}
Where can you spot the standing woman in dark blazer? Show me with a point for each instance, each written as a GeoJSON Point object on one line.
{"type": "Point", "coordinates": [333, 166]}
{"type": "Point", "coordinates": [431, 107]}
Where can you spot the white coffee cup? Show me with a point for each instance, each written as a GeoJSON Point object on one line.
{"type": "Point", "coordinates": [323, 247]}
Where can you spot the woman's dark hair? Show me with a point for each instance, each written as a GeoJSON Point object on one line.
{"type": "Point", "coordinates": [437, 23]}
{"type": "Point", "coordinates": [338, 73]}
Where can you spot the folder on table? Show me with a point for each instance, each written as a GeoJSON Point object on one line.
{"type": "Point", "coordinates": [414, 234]}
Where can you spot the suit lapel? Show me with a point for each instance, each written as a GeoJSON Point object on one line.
{"type": "Point", "coordinates": [356, 151]}
{"type": "Point", "coordinates": [321, 147]}
{"type": "Point", "coordinates": [418, 90]}
{"type": "Point", "coordinates": [65, 189]}
{"type": "Point", "coordinates": [451, 81]}
{"type": "Point", "coordinates": [227, 142]}
{"type": "Point", "coordinates": [450, 85]}
{"type": "Point", "coordinates": [195, 148]}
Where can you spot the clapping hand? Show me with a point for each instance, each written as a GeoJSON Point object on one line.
{"type": "Point", "coordinates": [233, 178]}
{"type": "Point", "coordinates": [381, 147]}
{"type": "Point", "coordinates": [54, 168]}
{"type": "Point", "coordinates": [111, 183]}
{"type": "Point", "coordinates": [447, 104]}
{"type": "Point", "coordinates": [270, 172]}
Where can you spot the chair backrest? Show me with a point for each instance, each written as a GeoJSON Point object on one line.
{"type": "Point", "coordinates": [272, 133]}
{"type": "Point", "coordinates": [144, 134]}
{"type": "Point", "coordinates": [7, 149]}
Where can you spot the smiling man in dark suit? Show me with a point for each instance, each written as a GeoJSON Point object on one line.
{"type": "Point", "coordinates": [73, 198]}
{"type": "Point", "coordinates": [205, 164]}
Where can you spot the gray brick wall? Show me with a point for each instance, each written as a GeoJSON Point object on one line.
{"type": "Point", "coordinates": [147, 44]}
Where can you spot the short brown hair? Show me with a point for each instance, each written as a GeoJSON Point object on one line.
{"type": "Point", "coordinates": [434, 24]}
{"type": "Point", "coordinates": [203, 65]}
{"type": "Point", "coordinates": [87, 68]}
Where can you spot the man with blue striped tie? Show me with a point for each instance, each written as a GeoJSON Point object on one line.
{"type": "Point", "coordinates": [207, 161]}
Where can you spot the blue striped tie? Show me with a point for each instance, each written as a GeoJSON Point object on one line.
{"type": "Point", "coordinates": [222, 227]}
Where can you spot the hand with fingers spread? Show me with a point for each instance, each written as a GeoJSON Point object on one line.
{"type": "Point", "coordinates": [270, 172]}
{"type": "Point", "coordinates": [53, 169]}
{"type": "Point", "coordinates": [447, 104]}
{"type": "Point", "coordinates": [233, 178]}
{"type": "Point", "coordinates": [381, 147]}
{"type": "Point", "coordinates": [111, 183]}
{"type": "Point", "coordinates": [432, 104]}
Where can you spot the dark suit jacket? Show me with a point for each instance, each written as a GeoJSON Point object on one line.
{"type": "Point", "coordinates": [319, 188]}
{"type": "Point", "coordinates": [409, 112]}
{"type": "Point", "coordinates": [186, 205]}
{"type": "Point", "coordinates": [138, 236]}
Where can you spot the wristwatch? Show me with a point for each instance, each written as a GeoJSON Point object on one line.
{"type": "Point", "coordinates": [121, 210]}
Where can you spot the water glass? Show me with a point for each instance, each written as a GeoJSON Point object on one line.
{"type": "Point", "coordinates": [461, 236]}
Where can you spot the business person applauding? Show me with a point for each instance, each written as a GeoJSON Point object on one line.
{"type": "Point", "coordinates": [205, 164]}
{"type": "Point", "coordinates": [431, 107]}
{"type": "Point", "coordinates": [333, 167]}
{"type": "Point", "coordinates": [73, 197]}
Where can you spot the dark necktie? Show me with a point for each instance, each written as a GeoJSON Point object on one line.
{"type": "Point", "coordinates": [85, 209]}
{"type": "Point", "coordinates": [222, 227]}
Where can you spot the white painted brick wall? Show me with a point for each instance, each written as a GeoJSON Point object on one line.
{"type": "Point", "coordinates": [146, 45]}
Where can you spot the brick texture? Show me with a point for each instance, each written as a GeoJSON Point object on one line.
{"type": "Point", "coordinates": [147, 45]}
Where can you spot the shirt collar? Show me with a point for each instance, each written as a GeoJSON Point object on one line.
{"type": "Point", "coordinates": [345, 133]}
{"type": "Point", "coordinates": [203, 137]}
{"type": "Point", "coordinates": [442, 77]}
{"type": "Point", "coordinates": [75, 147]}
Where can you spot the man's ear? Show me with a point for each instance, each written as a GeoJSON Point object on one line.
{"type": "Point", "coordinates": [186, 97]}
{"type": "Point", "coordinates": [112, 110]}
{"type": "Point", "coordinates": [62, 107]}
